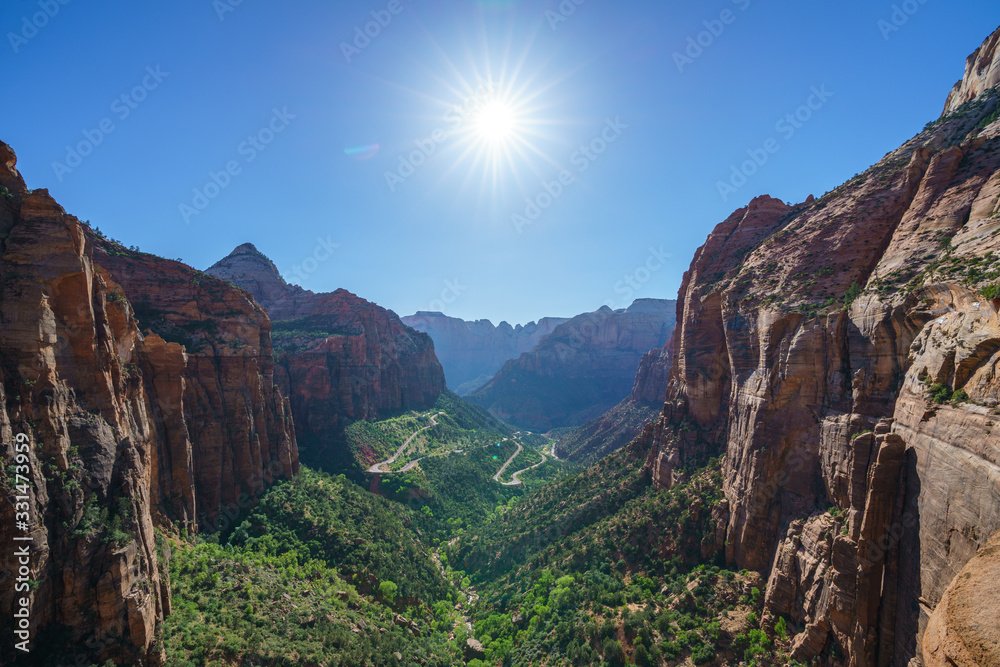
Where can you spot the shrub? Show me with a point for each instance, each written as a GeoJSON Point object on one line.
{"type": "Point", "coordinates": [991, 291]}
{"type": "Point", "coordinates": [703, 654]}
{"type": "Point", "coordinates": [960, 396]}
{"type": "Point", "coordinates": [781, 628]}
{"type": "Point", "coordinates": [940, 393]}
{"type": "Point", "coordinates": [671, 650]}
{"type": "Point", "coordinates": [614, 654]}
{"type": "Point", "coordinates": [853, 292]}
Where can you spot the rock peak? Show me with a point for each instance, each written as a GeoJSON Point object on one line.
{"type": "Point", "coordinates": [251, 270]}
{"type": "Point", "coordinates": [246, 249]}
{"type": "Point", "coordinates": [982, 73]}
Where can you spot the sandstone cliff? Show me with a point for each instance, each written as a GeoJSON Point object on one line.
{"type": "Point", "coordinates": [126, 431]}
{"type": "Point", "coordinates": [582, 369]}
{"type": "Point", "coordinates": [982, 72]}
{"type": "Point", "coordinates": [340, 358]}
{"type": "Point", "coordinates": [472, 352]}
{"type": "Point", "coordinates": [842, 355]}
{"type": "Point", "coordinates": [964, 630]}
{"type": "Point", "coordinates": [624, 422]}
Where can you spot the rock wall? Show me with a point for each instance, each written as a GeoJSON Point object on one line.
{"type": "Point", "coordinates": [119, 425]}
{"type": "Point", "coordinates": [842, 355]}
{"type": "Point", "coordinates": [579, 371]}
{"type": "Point", "coordinates": [964, 630]}
{"type": "Point", "coordinates": [340, 358]}
{"type": "Point", "coordinates": [624, 422]}
{"type": "Point", "coordinates": [982, 72]}
{"type": "Point", "coordinates": [227, 424]}
{"type": "Point", "coordinates": [472, 352]}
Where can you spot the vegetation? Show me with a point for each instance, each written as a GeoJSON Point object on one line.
{"type": "Point", "coordinates": [602, 568]}
{"type": "Point", "coordinates": [322, 572]}
{"type": "Point", "coordinates": [365, 537]}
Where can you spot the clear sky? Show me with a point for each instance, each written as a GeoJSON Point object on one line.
{"type": "Point", "coordinates": [123, 110]}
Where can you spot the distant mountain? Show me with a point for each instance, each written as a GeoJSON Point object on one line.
{"type": "Point", "coordinates": [579, 371]}
{"type": "Point", "coordinates": [472, 352]}
{"type": "Point", "coordinates": [340, 358]}
{"type": "Point", "coordinates": [625, 421]}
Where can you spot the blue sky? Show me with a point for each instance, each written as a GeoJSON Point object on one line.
{"type": "Point", "coordinates": [260, 108]}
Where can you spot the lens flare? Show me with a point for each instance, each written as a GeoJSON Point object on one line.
{"type": "Point", "coordinates": [362, 152]}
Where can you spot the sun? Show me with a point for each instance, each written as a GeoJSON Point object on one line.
{"type": "Point", "coordinates": [494, 123]}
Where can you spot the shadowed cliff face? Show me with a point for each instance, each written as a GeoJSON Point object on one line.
{"type": "Point", "coordinates": [340, 358]}
{"type": "Point", "coordinates": [579, 371]}
{"type": "Point", "coordinates": [624, 422]}
{"type": "Point", "coordinates": [125, 430]}
{"type": "Point", "coordinates": [472, 352]}
{"type": "Point", "coordinates": [811, 343]}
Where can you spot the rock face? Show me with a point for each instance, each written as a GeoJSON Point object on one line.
{"type": "Point", "coordinates": [340, 358]}
{"type": "Point", "coordinates": [624, 422]}
{"type": "Point", "coordinates": [472, 352]}
{"type": "Point", "coordinates": [209, 353]}
{"type": "Point", "coordinates": [582, 369]}
{"type": "Point", "coordinates": [842, 354]}
{"type": "Point", "coordinates": [653, 375]}
{"type": "Point", "coordinates": [982, 72]}
{"type": "Point", "coordinates": [125, 430]}
{"type": "Point", "coordinates": [964, 630]}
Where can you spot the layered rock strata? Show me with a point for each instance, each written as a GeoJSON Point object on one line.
{"type": "Point", "coordinates": [472, 352]}
{"type": "Point", "coordinates": [125, 430]}
{"type": "Point", "coordinates": [842, 355]}
{"type": "Point", "coordinates": [581, 370]}
{"type": "Point", "coordinates": [340, 358]}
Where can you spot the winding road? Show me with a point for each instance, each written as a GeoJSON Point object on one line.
{"type": "Point", "coordinates": [515, 481]}
{"type": "Point", "coordinates": [377, 468]}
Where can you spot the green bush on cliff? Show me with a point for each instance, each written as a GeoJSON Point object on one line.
{"type": "Point", "coordinates": [940, 393]}
{"type": "Point", "coordinates": [853, 292]}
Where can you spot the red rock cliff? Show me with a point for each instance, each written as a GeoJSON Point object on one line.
{"type": "Point", "coordinates": [126, 431]}
{"type": "Point", "coordinates": [340, 358]}
{"type": "Point", "coordinates": [842, 354]}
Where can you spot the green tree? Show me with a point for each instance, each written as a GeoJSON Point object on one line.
{"type": "Point", "coordinates": [388, 590]}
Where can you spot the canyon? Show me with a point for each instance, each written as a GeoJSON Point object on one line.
{"type": "Point", "coordinates": [582, 369]}
{"type": "Point", "coordinates": [625, 421]}
{"type": "Point", "coordinates": [127, 431]}
{"type": "Point", "coordinates": [472, 352]}
{"type": "Point", "coordinates": [816, 415]}
{"type": "Point", "coordinates": [339, 357]}
{"type": "Point", "coordinates": [841, 355]}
